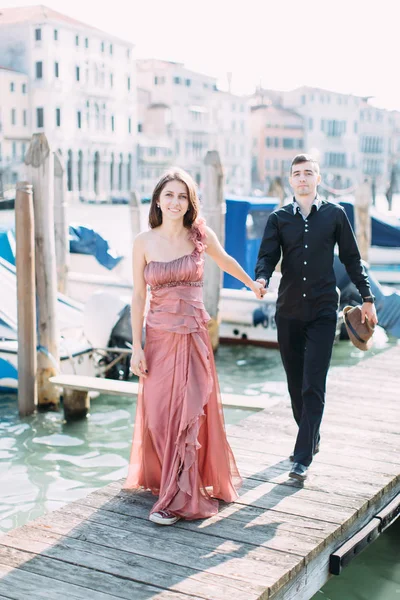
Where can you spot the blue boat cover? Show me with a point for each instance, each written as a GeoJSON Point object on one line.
{"type": "Point", "coordinates": [87, 241]}
{"type": "Point", "coordinates": [82, 240]}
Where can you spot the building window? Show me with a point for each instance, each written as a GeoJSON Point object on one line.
{"type": "Point", "coordinates": [55, 33]}
{"type": "Point", "coordinates": [14, 149]}
{"type": "Point", "coordinates": [310, 124]}
{"type": "Point", "coordinates": [25, 117]}
{"type": "Point", "coordinates": [38, 35]}
{"type": "Point", "coordinates": [39, 117]}
{"type": "Point", "coordinates": [69, 171]}
{"type": "Point", "coordinates": [177, 80]}
{"type": "Point", "coordinates": [56, 70]}
{"type": "Point", "coordinates": [335, 159]}
{"type": "Point", "coordinates": [77, 73]}
{"type": "Point", "coordinates": [188, 82]}
{"type": "Point", "coordinates": [23, 150]}
{"type": "Point", "coordinates": [77, 40]}
{"type": "Point", "coordinates": [303, 99]}
{"type": "Point", "coordinates": [288, 143]}
{"type": "Point", "coordinates": [112, 171]}
{"type": "Point", "coordinates": [58, 117]}
{"type": "Point", "coordinates": [334, 128]}
{"type": "Point", "coordinates": [80, 169]}
{"type": "Point", "coordinates": [102, 46]}
{"type": "Point", "coordinates": [24, 88]}
{"type": "Point", "coordinates": [129, 172]}
{"type": "Point", "coordinates": [112, 123]}
{"type": "Point", "coordinates": [13, 116]}
{"type": "Point", "coordinates": [79, 119]}
{"type": "Point", "coordinates": [111, 48]}
{"type": "Point", "coordinates": [128, 53]}
{"type": "Point", "coordinates": [129, 125]}
{"type": "Point", "coordinates": [355, 127]}
{"type": "Point", "coordinates": [111, 80]}
{"type": "Point", "coordinates": [39, 70]}
{"type": "Point", "coordinates": [12, 87]}
{"type": "Point", "coordinates": [140, 128]}
{"type": "Point", "coordinates": [86, 42]}
{"type": "Point", "coordinates": [129, 83]}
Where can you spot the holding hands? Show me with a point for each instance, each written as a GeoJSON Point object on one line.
{"type": "Point", "coordinates": [258, 287]}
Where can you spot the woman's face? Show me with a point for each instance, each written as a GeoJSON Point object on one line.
{"type": "Point", "coordinates": [174, 200]}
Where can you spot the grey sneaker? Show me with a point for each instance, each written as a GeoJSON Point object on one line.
{"type": "Point", "coordinates": [163, 517]}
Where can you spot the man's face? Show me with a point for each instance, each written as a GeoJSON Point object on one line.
{"type": "Point", "coordinates": [304, 179]}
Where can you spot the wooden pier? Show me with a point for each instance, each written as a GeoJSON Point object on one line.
{"type": "Point", "coordinates": [274, 543]}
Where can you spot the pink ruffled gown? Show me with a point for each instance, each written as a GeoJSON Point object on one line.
{"type": "Point", "coordinates": [180, 451]}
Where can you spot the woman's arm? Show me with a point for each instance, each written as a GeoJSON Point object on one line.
{"type": "Point", "coordinates": [138, 361]}
{"type": "Point", "coordinates": [228, 264]}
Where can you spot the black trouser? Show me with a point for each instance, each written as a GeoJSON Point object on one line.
{"type": "Point", "coordinates": [306, 349]}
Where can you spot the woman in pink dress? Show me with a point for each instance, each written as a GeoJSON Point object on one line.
{"type": "Point", "coordinates": [179, 451]}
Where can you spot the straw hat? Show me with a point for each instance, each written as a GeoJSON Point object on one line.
{"type": "Point", "coordinates": [359, 333]}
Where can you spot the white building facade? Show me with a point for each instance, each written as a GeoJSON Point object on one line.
{"type": "Point", "coordinates": [186, 115]}
{"type": "Point", "coordinates": [331, 132]}
{"type": "Point", "coordinates": [15, 126]}
{"type": "Point", "coordinates": [82, 96]}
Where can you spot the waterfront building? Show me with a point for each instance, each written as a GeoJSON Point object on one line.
{"type": "Point", "coordinates": [82, 95]}
{"type": "Point", "coordinates": [277, 135]}
{"type": "Point", "coordinates": [184, 112]}
{"type": "Point", "coordinates": [15, 125]}
{"type": "Point", "coordinates": [331, 132]}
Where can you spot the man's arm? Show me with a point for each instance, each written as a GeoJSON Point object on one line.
{"type": "Point", "coordinates": [270, 250]}
{"type": "Point", "coordinates": [349, 254]}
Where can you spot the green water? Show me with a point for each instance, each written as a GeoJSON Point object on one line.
{"type": "Point", "coordinates": [45, 463]}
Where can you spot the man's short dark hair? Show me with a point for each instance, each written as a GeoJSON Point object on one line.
{"type": "Point", "coordinates": [302, 158]}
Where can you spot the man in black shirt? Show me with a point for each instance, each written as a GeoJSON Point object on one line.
{"type": "Point", "coordinates": [306, 232]}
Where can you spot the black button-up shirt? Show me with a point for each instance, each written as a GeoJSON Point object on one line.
{"type": "Point", "coordinates": [308, 285]}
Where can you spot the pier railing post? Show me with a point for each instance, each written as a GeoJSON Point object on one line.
{"type": "Point", "coordinates": [40, 161]}
{"type": "Point", "coordinates": [214, 213]}
{"type": "Point", "coordinates": [26, 299]}
{"type": "Point", "coordinates": [61, 223]}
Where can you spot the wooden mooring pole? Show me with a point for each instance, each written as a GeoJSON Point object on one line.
{"type": "Point", "coordinates": [214, 213]}
{"type": "Point", "coordinates": [26, 299]}
{"type": "Point", "coordinates": [61, 223]}
{"type": "Point", "coordinates": [40, 160]}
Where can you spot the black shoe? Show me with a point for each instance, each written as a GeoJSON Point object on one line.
{"type": "Point", "coordinates": [291, 457]}
{"type": "Point", "coordinates": [298, 472]}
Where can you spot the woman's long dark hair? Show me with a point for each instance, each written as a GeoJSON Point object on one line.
{"type": "Point", "coordinates": [175, 174]}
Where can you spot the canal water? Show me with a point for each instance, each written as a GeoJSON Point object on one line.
{"type": "Point", "coordinates": [45, 463]}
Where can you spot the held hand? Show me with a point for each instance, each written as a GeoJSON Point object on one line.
{"type": "Point", "coordinates": [368, 310]}
{"type": "Point", "coordinates": [258, 288]}
{"type": "Point", "coordinates": [138, 363]}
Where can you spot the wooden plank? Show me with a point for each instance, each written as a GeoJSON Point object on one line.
{"type": "Point", "coordinates": [120, 563]}
{"type": "Point", "coordinates": [96, 384]}
{"type": "Point", "coordinates": [209, 552]}
{"type": "Point", "coordinates": [131, 388]}
{"type": "Point", "coordinates": [328, 456]}
{"type": "Point", "coordinates": [95, 575]}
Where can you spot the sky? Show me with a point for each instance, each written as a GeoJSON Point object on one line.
{"type": "Point", "coordinates": [348, 46]}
